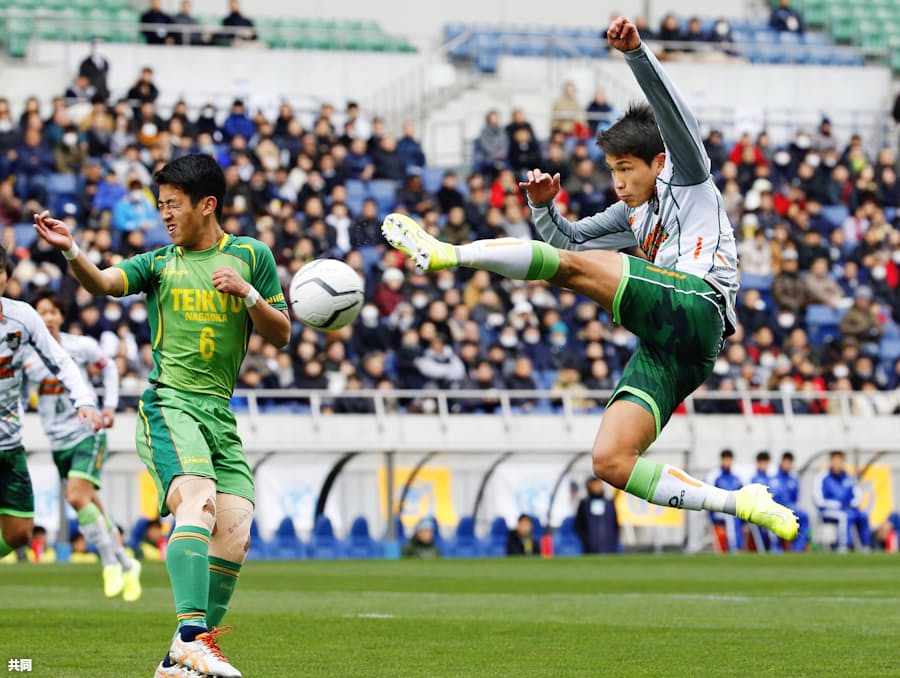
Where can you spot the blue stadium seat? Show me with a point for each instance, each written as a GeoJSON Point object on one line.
{"type": "Point", "coordinates": [566, 541]}
{"type": "Point", "coordinates": [286, 545]}
{"type": "Point", "coordinates": [61, 184]}
{"type": "Point", "coordinates": [360, 543]}
{"type": "Point", "coordinates": [432, 178]}
{"type": "Point", "coordinates": [465, 544]}
{"type": "Point", "coordinates": [889, 350]}
{"type": "Point", "coordinates": [495, 544]}
{"type": "Point", "coordinates": [259, 548]}
{"type": "Point", "coordinates": [815, 38]}
{"type": "Point", "coordinates": [356, 194]}
{"type": "Point", "coordinates": [822, 323]}
{"type": "Point", "coordinates": [383, 192]}
{"type": "Point", "coordinates": [25, 234]}
{"type": "Point", "coordinates": [789, 38]}
{"type": "Point", "coordinates": [324, 545]}
{"type": "Point", "coordinates": [537, 527]}
{"type": "Point", "coordinates": [890, 212]}
{"type": "Point", "coordinates": [753, 281]}
{"type": "Point", "coordinates": [835, 214]}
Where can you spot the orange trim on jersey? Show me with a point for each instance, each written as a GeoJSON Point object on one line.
{"type": "Point", "coordinates": [698, 248]}
{"type": "Point", "coordinates": [721, 258]}
{"type": "Point", "coordinates": [667, 272]}
{"type": "Point", "coordinates": [683, 478]}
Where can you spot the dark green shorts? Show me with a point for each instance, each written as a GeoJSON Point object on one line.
{"type": "Point", "coordinates": [16, 493]}
{"type": "Point", "coordinates": [83, 460]}
{"type": "Point", "coordinates": [679, 319]}
{"type": "Point", "coordinates": [191, 434]}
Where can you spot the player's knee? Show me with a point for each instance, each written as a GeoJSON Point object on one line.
{"type": "Point", "coordinates": [77, 496]}
{"type": "Point", "coordinates": [17, 536]}
{"type": "Point", "coordinates": [613, 464]}
{"type": "Point", "coordinates": [231, 538]}
{"type": "Point", "coordinates": [192, 500]}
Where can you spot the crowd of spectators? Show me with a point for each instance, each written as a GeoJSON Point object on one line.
{"type": "Point", "coordinates": [160, 28]}
{"type": "Point", "coordinates": [292, 180]}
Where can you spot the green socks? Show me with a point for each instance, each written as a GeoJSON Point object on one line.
{"type": "Point", "coordinates": [187, 560]}
{"type": "Point", "coordinates": [223, 579]}
{"type": "Point", "coordinates": [511, 258]}
{"type": "Point", "coordinates": [5, 549]}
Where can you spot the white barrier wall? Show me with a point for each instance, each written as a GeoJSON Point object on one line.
{"type": "Point", "coordinates": [291, 455]}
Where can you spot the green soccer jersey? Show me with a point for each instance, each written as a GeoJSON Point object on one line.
{"type": "Point", "coordinates": [198, 334]}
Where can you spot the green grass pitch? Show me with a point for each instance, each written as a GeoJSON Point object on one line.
{"type": "Point", "coordinates": [809, 615]}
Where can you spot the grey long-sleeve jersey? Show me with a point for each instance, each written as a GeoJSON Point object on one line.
{"type": "Point", "coordinates": [684, 227]}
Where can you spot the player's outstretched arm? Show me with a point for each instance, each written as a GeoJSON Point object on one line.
{"type": "Point", "coordinates": [608, 229]}
{"type": "Point", "coordinates": [677, 123]}
{"type": "Point", "coordinates": [95, 281]}
{"type": "Point", "coordinates": [273, 325]}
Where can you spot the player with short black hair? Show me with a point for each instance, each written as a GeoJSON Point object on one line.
{"type": "Point", "coordinates": [79, 453]}
{"type": "Point", "coordinates": [209, 291]}
{"type": "Point", "coordinates": [676, 290]}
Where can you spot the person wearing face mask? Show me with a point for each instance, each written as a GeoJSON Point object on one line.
{"type": "Point", "coordinates": [69, 153]}
{"type": "Point", "coordinates": [96, 68]}
{"type": "Point", "coordinates": [135, 211]}
{"type": "Point", "coordinates": [536, 350]}
{"type": "Point", "coordinates": [859, 322]}
{"type": "Point", "coordinates": [369, 334]}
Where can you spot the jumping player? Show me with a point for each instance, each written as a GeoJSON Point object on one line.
{"type": "Point", "coordinates": [78, 452]}
{"type": "Point", "coordinates": [675, 291]}
{"type": "Point", "coordinates": [207, 291]}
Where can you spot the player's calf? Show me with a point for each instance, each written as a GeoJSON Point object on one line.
{"type": "Point", "coordinates": [15, 532]}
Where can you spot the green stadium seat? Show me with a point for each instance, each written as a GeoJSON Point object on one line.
{"type": "Point", "coordinates": [125, 27]}
{"type": "Point", "coordinates": [18, 34]}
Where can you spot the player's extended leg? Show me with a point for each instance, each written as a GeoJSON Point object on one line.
{"type": "Point", "coordinates": [227, 552]}
{"type": "Point", "coordinates": [131, 568]}
{"type": "Point", "coordinates": [92, 523]}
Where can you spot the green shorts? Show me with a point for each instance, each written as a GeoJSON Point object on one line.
{"type": "Point", "coordinates": [680, 321]}
{"type": "Point", "coordinates": [16, 493]}
{"type": "Point", "coordinates": [181, 433]}
{"type": "Point", "coordinates": [83, 460]}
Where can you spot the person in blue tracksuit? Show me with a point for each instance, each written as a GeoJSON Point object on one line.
{"type": "Point", "coordinates": [785, 486]}
{"type": "Point", "coordinates": [838, 497]}
{"type": "Point", "coordinates": [725, 479]}
{"type": "Point", "coordinates": [764, 540]}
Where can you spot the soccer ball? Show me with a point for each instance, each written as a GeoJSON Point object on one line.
{"type": "Point", "coordinates": [326, 294]}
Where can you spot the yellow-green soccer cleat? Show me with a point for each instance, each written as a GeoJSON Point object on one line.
{"type": "Point", "coordinates": [754, 504]}
{"type": "Point", "coordinates": [132, 590]}
{"type": "Point", "coordinates": [407, 236]}
{"type": "Point", "coordinates": [113, 580]}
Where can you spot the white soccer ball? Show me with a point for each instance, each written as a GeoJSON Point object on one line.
{"type": "Point", "coordinates": [326, 294]}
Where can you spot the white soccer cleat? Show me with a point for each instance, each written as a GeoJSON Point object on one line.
{"type": "Point", "coordinates": [203, 655]}
{"type": "Point", "coordinates": [175, 671]}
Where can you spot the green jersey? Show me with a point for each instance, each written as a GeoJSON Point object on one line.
{"type": "Point", "coordinates": [198, 334]}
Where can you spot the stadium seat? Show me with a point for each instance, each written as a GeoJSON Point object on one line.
{"type": "Point", "coordinates": [286, 545]}
{"type": "Point", "coordinates": [835, 214]}
{"type": "Point", "coordinates": [822, 323]}
{"type": "Point", "coordinates": [324, 545]}
{"type": "Point", "coordinates": [383, 192]}
{"type": "Point", "coordinates": [495, 544]}
{"type": "Point", "coordinates": [889, 351]}
{"type": "Point", "coordinates": [432, 178]}
{"type": "Point", "coordinates": [566, 541]}
{"type": "Point", "coordinates": [25, 234]}
{"type": "Point", "coordinates": [360, 543]}
{"type": "Point", "coordinates": [465, 544]}
{"type": "Point", "coordinates": [259, 548]}
{"type": "Point", "coordinates": [753, 281]}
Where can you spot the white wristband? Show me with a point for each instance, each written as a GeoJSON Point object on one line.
{"type": "Point", "coordinates": [252, 297]}
{"type": "Point", "coordinates": [72, 252]}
